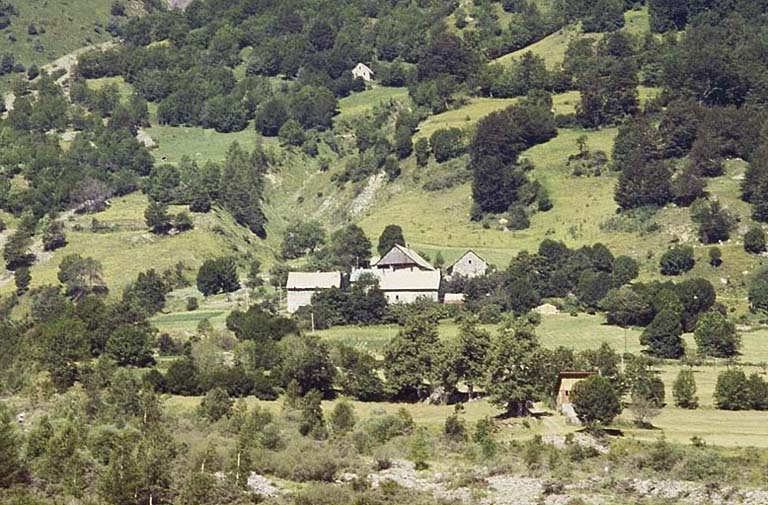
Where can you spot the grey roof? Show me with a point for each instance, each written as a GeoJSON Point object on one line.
{"type": "Point", "coordinates": [403, 280]}
{"type": "Point", "coordinates": [313, 280]}
{"type": "Point", "coordinates": [400, 255]}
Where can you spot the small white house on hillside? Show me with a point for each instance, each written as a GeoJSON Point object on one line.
{"type": "Point", "coordinates": [362, 71]}
{"type": "Point", "coordinates": [470, 264]}
{"type": "Point", "coordinates": [302, 285]}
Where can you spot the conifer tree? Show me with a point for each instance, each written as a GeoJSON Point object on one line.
{"type": "Point", "coordinates": [662, 337]}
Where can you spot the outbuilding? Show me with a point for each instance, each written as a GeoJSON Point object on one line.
{"type": "Point", "coordinates": [470, 264]}
{"type": "Point", "coordinates": [566, 380]}
{"type": "Point", "coordinates": [362, 71]}
{"type": "Point", "coordinates": [302, 285]}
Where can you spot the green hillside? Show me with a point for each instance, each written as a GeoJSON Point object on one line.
{"type": "Point", "coordinates": [60, 27]}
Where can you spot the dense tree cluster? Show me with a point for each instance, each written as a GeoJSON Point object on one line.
{"type": "Point", "coordinates": [553, 271]}
{"type": "Point", "coordinates": [499, 180]}
{"type": "Point", "coordinates": [665, 309]}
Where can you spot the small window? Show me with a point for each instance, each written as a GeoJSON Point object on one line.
{"type": "Point", "coordinates": [397, 297]}
{"type": "Point", "coordinates": [470, 262]}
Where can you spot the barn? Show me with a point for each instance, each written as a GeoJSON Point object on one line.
{"type": "Point", "coordinates": [302, 285]}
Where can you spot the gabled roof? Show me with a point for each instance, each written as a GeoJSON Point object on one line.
{"type": "Point", "coordinates": [400, 255]}
{"type": "Point", "coordinates": [465, 254]}
{"type": "Point", "coordinates": [313, 280]}
{"type": "Point", "coordinates": [403, 280]}
{"type": "Point", "coordinates": [363, 66]}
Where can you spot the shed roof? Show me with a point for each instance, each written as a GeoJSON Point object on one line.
{"type": "Point", "coordinates": [400, 255]}
{"type": "Point", "coordinates": [403, 280]}
{"type": "Point", "coordinates": [313, 280]}
{"type": "Point", "coordinates": [572, 374]}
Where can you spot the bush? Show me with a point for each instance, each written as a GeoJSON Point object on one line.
{"type": "Point", "coordinates": [677, 260]}
{"type": "Point", "coordinates": [684, 390]}
{"type": "Point", "coordinates": [715, 257]}
{"type": "Point", "coordinates": [490, 314]}
{"type": "Point", "coordinates": [595, 401]}
{"type": "Point", "coordinates": [447, 144]}
{"type": "Point", "coordinates": [517, 218]}
{"type": "Point", "coordinates": [192, 303]}
{"type": "Point", "coordinates": [216, 405]}
{"type": "Point", "coordinates": [455, 429]}
{"type": "Point", "coordinates": [754, 241]}
{"type": "Point", "coordinates": [385, 428]}
{"type": "Point", "coordinates": [731, 391]}
{"type": "Point", "coordinates": [342, 418]}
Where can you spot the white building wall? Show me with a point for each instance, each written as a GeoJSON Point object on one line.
{"type": "Point", "coordinates": [409, 296]}
{"type": "Point", "coordinates": [469, 265]}
{"type": "Point", "coordinates": [298, 299]}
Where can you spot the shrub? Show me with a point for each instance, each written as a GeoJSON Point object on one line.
{"type": "Point", "coordinates": [447, 143]}
{"type": "Point", "coordinates": [731, 391]}
{"type": "Point", "coordinates": [677, 260]}
{"type": "Point", "coordinates": [754, 241]}
{"type": "Point", "coordinates": [192, 303]}
{"type": "Point", "coordinates": [455, 429]}
{"type": "Point", "coordinates": [215, 405]}
{"type": "Point", "coordinates": [684, 390]}
{"type": "Point", "coordinates": [483, 436]}
{"type": "Point", "coordinates": [342, 417]}
{"type": "Point", "coordinates": [517, 218]}
{"type": "Point", "coordinates": [595, 401]}
{"type": "Point", "coordinates": [385, 428]}
{"type": "Point", "coordinates": [490, 314]}
{"type": "Point", "coordinates": [715, 257]}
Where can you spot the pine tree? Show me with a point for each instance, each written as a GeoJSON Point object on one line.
{"type": "Point", "coordinates": [157, 218]}
{"type": "Point", "coordinates": [391, 236]}
{"type": "Point", "coordinates": [662, 337]}
{"type": "Point", "coordinates": [241, 188]}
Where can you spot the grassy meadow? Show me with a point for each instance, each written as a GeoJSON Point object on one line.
{"type": "Point", "coordinates": [67, 26]}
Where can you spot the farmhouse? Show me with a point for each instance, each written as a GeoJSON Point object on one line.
{"type": "Point", "coordinates": [404, 285]}
{"type": "Point", "coordinates": [402, 258]}
{"type": "Point", "coordinates": [302, 285]}
{"type": "Point", "coordinates": [362, 71]}
{"type": "Point", "coordinates": [566, 380]}
{"type": "Point", "coordinates": [470, 264]}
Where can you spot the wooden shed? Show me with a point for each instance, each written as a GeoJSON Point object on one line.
{"type": "Point", "coordinates": [565, 382]}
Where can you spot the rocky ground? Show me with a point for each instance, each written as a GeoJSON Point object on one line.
{"type": "Point", "coordinates": [505, 489]}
